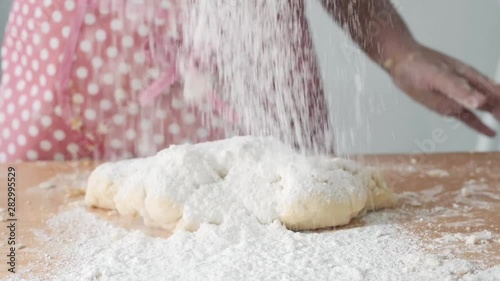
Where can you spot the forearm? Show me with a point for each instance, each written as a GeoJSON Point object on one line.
{"type": "Point", "coordinates": [375, 26]}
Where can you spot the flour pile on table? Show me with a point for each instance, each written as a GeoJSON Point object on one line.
{"type": "Point", "coordinates": [185, 186]}
{"type": "Point", "coordinates": [81, 246]}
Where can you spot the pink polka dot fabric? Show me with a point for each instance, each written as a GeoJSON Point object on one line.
{"type": "Point", "coordinates": [90, 108]}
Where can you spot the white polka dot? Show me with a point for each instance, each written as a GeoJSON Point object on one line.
{"type": "Point", "coordinates": [154, 73]}
{"type": "Point", "coordinates": [29, 75]}
{"type": "Point", "coordinates": [34, 90]}
{"type": "Point", "coordinates": [45, 27]}
{"type": "Point", "coordinates": [51, 69]}
{"type": "Point", "coordinates": [104, 10]}
{"type": "Point", "coordinates": [31, 24]}
{"type": "Point", "coordinates": [188, 118]}
{"type": "Point", "coordinates": [35, 65]}
{"type": "Point", "coordinates": [11, 149]}
{"type": "Point", "coordinates": [36, 105]}
{"type": "Point", "coordinates": [78, 99]}
{"type": "Point", "coordinates": [25, 115]}
{"type": "Point", "coordinates": [112, 52]}
{"type": "Point", "coordinates": [139, 57]}
{"type": "Point", "coordinates": [177, 103]}
{"type": "Point", "coordinates": [33, 131]}
{"type": "Point", "coordinates": [127, 41]}
{"type": "Point", "coordinates": [21, 140]}
{"type": "Point", "coordinates": [26, 9]}
{"type": "Point", "coordinates": [202, 133]}
{"type": "Point", "coordinates": [47, 3]}
{"type": "Point", "coordinates": [58, 110]}
{"type": "Point", "coordinates": [133, 109]}
{"type": "Point", "coordinates": [130, 134]}
{"type": "Point", "coordinates": [5, 78]}
{"type": "Point", "coordinates": [48, 96]}
{"type": "Point", "coordinates": [18, 71]}
{"type": "Point", "coordinates": [116, 144]}
{"type": "Point", "coordinates": [57, 16]}
{"type": "Point", "coordinates": [143, 30]}
{"type": "Point", "coordinates": [32, 155]}
{"type": "Point", "coordinates": [65, 31]}
{"type": "Point", "coordinates": [82, 72]}
{"type": "Point", "coordinates": [54, 43]}
{"type": "Point", "coordinates": [105, 105]}
{"type": "Point", "coordinates": [46, 121]}
{"type": "Point", "coordinates": [59, 135]}
{"type": "Point", "coordinates": [6, 133]}
{"type": "Point", "coordinates": [97, 62]}
{"type": "Point", "coordinates": [161, 114]}
{"type": "Point", "coordinates": [136, 84]}
{"type": "Point", "coordinates": [108, 78]}
{"type": "Point", "coordinates": [44, 54]}
{"type": "Point", "coordinates": [59, 157]}
{"type": "Point", "coordinates": [90, 114]}
{"type": "Point", "coordinates": [14, 57]}
{"type": "Point", "coordinates": [22, 100]}
{"type": "Point", "coordinates": [72, 148]}
{"type": "Point", "coordinates": [7, 93]}
{"type": "Point", "coordinates": [158, 139]}
{"type": "Point", "coordinates": [19, 21]}
{"type": "Point", "coordinates": [174, 129]}
{"type": "Point", "coordinates": [100, 35]}
{"type": "Point", "coordinates": [11, 108]}
{"type": "Point", "coordinates": [85, 46]}
{"type": "Point", "coordinates": [93, 89]}
{"type": "Point", "coordinates": [159, 21]}
{"type": "Point", "coordinates": [116, 24]}
{"type": "Point", "coordinates": [119, 119]}
{"type": "Point", "coordinates": [45, 145]}
{"type": "Point", "coordinates": [5, 65]}
{"type": "Point", "coordinates": [38, 12]}
{"type": "Point", "coordinates": [29, 49]}
{"type": "Point", "coordinates": [2, 117]}
{"type": "Point", "coordinates": [119, 95]}
{"type": "Point", "coordinates": [19, 46]}
{"type": "Point", "coordinates": [146, 124]}
{"type": "Point", "coordinates": [3, 158]}
{"type": "Point", "coordinates": [15, 124]}
{"type": "Point", "coordinates": [69, 5]}
{"type": "Point", "coordinates": [124, 68]}
{"type": "Point", "coordinates": [37, 39]}
{"type": "Point", "coordinates": [90, 19]}
{"type": "Point", "coordinates": [21, 85]}
{"type": "Point", "coordinates": [43, 80]}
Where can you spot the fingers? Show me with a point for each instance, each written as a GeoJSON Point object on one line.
{"type": "Point", "coordinates": [458, 90]}
{"type": "Point", "coordinates": [448, 107]}
{"type": "Point", "coordinates": [477, 80]}
{"type": "Point", "coordinates": [471, 120]}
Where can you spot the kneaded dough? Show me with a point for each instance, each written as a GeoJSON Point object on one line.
{"type": "Point", "coordinates": [256, 178]}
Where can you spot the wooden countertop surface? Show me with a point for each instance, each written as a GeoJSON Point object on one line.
{"type": "Point", "coordinates": [441, 194]}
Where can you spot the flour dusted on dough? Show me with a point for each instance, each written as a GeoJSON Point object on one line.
{"type": "Point", "coordinates": [255, 177]}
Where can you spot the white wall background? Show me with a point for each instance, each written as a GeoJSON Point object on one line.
{"type": "Point", "coordinates": [371, 115]}
{"type": "Point", "coordinates": [391, 122]}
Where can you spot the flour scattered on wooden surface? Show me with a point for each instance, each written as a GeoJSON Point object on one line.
{"type": "Point", "coordinates": [91, 248]}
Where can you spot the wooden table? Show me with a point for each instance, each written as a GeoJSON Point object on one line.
{"type": "Point", "coordinates": [429, 185]}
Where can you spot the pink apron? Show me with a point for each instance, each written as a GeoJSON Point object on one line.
{"type": "Point", "coordinates": [83, 79]}
{"type": "Point", "coordinates": [79, 78]}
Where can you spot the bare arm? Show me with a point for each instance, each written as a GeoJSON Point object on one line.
{"type": "Point", "coordinates": [375, 26]}
{"type": "Point", "coordinates": [439, 82]}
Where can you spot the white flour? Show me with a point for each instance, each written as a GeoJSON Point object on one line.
{"type": "Point", "coordinates": [82, 246]}
{"type": "Point", "coordinates": [262, 63]}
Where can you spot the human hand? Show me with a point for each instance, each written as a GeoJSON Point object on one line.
{"type": "Point", "coordinates": [446, 86]}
